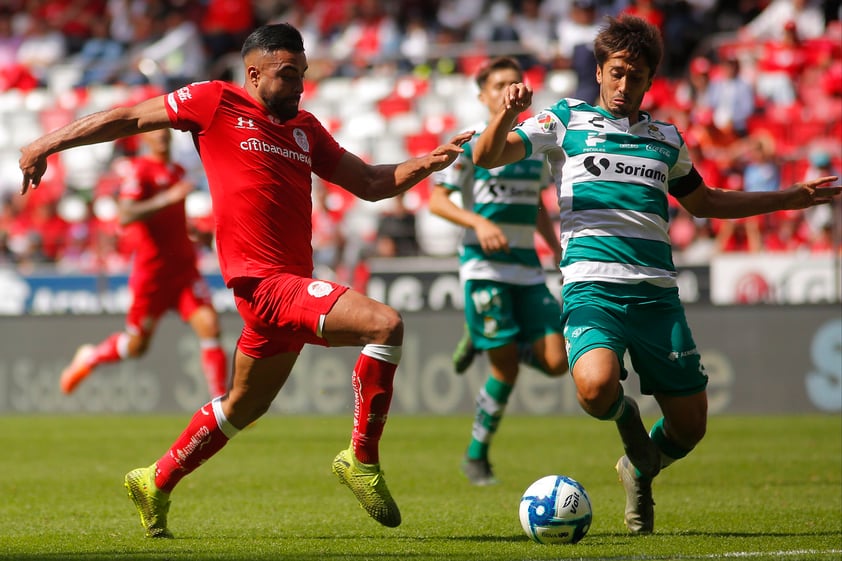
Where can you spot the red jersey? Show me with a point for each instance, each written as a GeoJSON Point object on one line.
{"type": "Point", "coordinates": [162, 249]}
{"type": "Point", "coordinates": [260, 175]}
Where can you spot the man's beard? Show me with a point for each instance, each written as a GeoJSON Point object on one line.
{"type": "Point", "coordinates": [283, 110]}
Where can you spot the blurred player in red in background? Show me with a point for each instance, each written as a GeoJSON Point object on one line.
{"type": "Point", "coordinates": [164, 274]}
{"type": "Point", "coordinates": [259, 151]}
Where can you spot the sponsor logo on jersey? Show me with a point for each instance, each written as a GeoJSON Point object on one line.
{"type": "Point", "coordinates": [576, 333]}
{"type": "Point", "coordinates": [301, 139]}
{"type": "Point", "coordinates": [178, 96]}
{"type": "Point", "coordinates": [591, 165]}
{"type": "Point", "coordinates": [659, 149]}
{"type": "Point", "coordinates": [319, 289]}
{"type": "Point", "coordinates": [597, 122]}
{"type": "Point", "coordinates": [181, 95]}
{"type": "Point", "coordinates": [595, 139]}
{"type": "Point", "coordinates": [245, 123]}
{"type": "Point", "coordinates": [656, 133]}
{"type": "Point", "coordinates": [675, 355]}
{"type": "Point", "coordinates": [596, 165]}
{"type": "Point", "coordinates": [546, 121]}
{"type": "Point", "coordinates": [258, 145]}
{"type": "Point", "coordinates": [640, 171]}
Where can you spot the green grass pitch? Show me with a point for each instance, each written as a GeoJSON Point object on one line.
{"type": "Point", "coordinates": [767, 488]}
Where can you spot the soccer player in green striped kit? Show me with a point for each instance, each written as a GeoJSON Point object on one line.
{"type": "Point", "coordinates": [509, 311]}
{"type": "Point", "coordinates": [613, 166]}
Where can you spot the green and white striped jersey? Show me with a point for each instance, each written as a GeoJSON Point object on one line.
{"type": "Point", "coordinates": [508, 196]}
{"type": "Point", "coordinates": [612, 179]}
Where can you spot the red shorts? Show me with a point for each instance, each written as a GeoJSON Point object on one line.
{"type": "Point", "coordinates": [151, 300]}
{"type": "Point", "coordinates": [282, 313]}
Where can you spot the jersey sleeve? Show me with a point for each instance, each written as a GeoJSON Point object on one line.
{"type": "Point", "coordinates": [192, 107]}
{"type": "Point", "coordinates": [683, 176]}
{"type": "Point", "coordinates": [540, 132]}
{"type": "Point", "coordinates": [326, 152]}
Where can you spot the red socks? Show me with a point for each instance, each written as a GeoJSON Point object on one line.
{"type": "Point", "coordinates": [109, 349]}
{"type": "Point", "coordinates": [209, 431]}
{"type": "Point", "coordinates": [206, 434]}
{"type": "Point", "coordinates": [372, 384]}
{"type": "Point", "coordinates": [215, 367]}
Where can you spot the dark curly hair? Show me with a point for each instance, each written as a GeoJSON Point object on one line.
{"type": "Point", "coordinates": [633, 36]}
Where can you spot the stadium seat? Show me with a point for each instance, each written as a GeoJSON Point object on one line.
{"type": "Point", "coordinates": [85, 164]}
{"type": "Point", "coordinates": [409, 87]}
{"type": "Point", "coordinates": [441, 124]}
{"type": "Point", "coordinates": [389, 148]}
{"type": "Point", "coordinates": [561, 82]}
{"type": "Point", "coordinates": [336, 90]}
{"type": "Point", "coordinates": [371, 89]}
{"type": "Point", "coordinates": [365, 125]}
{"type": "Point", "coordinates": [9, 170]}
{"type": "Point", "coordinates": [394, 105]}
{"type": "Point", "coordinates": [24, 126]}
{"type": "Point", "coordinates": [421, 143]}
{"type": "Point", "coordinates": [405, 124]}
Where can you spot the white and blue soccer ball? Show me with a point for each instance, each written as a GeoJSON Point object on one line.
{"type": "Point", "coordinates": [555, 509]}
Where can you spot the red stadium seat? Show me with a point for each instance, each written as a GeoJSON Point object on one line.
{"type": "Point", "coordinates": [421, 143]}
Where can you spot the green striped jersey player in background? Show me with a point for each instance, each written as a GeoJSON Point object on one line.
{"type": "Point", "coordinates": [509, 311]}
{"type": "Point", "coordinates": [613, 166]}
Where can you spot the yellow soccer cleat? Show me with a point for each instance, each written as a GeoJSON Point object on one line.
{"type": "Point", "coordinates": [152, 503]}
{"type": "Point", "coordinates": [367, 483]}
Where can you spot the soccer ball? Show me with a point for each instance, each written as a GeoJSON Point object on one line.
{"type": "Point", "coordinates": [555, 509]}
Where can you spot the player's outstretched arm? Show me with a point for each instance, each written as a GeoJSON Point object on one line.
{"type": "Point", "coordinates": [497, 145]}
{"type": "Point", "coordinates": [375, 182]}
{"type": "Point", "coordinates": [91, 129]}
{"type": "Point", "coordinates": [707, 202]}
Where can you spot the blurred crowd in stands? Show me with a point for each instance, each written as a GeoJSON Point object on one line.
{"type": "Point", "coordinates": [755, 86]}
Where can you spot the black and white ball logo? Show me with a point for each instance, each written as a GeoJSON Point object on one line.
{"type": "Point", "coordinates": [593, 165]}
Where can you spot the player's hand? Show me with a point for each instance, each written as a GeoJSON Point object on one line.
{"type": "Point", "coordinates": [444, 155]}
{"type": "Point", "coordinates": [518, 97]}
{"type": "Point", "coordinates": [33, 164]}
{"type": "Point", "coordinates": [491, 237]}
{"type": "Point", "coordinates": [813, 192]}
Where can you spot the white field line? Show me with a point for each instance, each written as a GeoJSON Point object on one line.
{"type": "Point", "coordinates": [798, 553]}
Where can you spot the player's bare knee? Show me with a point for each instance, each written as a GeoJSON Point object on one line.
{"type": "Point", "coordinates": [387, 327]}
{"type": "Point", "coordinates": [594, 400]}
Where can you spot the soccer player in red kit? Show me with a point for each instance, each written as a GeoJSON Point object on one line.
{"type": "Point", "coordinates": [259, 151]}
{"type": "Point", "coordinates": [164, 274]}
